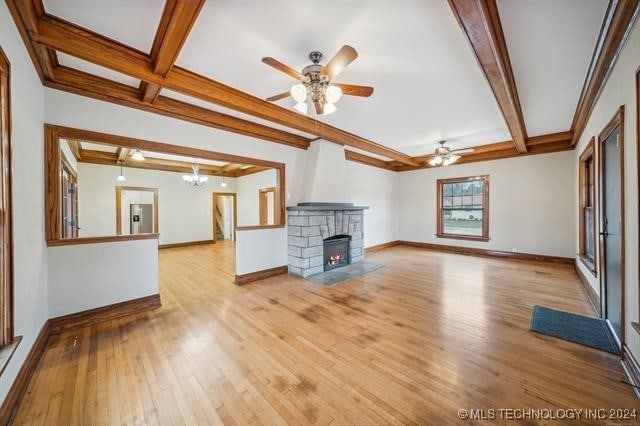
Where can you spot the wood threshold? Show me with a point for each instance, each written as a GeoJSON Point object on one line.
{"type": "Point", "coordinates": [591, 266]}
{"type": "Point", "coordinates": [261, 275]}
{"type": "Point", "coordinates": [104, 313]}
{"type": "Point", "coordinates": [100, 240]}
{"type": "Point", "coordinates": [7, 352]}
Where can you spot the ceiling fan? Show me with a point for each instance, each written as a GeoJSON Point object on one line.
{"type": "Point", "coordinates": [444, 156]}
{"type": "Point", "coordinates": [316, 82]}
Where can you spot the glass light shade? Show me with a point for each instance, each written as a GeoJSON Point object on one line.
{"type": "Point", "coordinates": [333, 94]}
{"type": "Point", "coordinates": [137, 155]}
{"type": "Point", "coordinates": [329, 109]}
{"type": "Point", "coordinates": [432, 162]}
{"type": "Point", "coordinates": [453, 158]}
{"type": "Point", "coordinates": [298, 93]}
{"type": "Point", "coordinates": [437, 160]}
{"type": "Point", "coordinates": [121, 178]}
{"type": "Point", "coordinates": [301, 107]}
{"type": "Point", "coordinates": [187, 178]}
{"type": "Point", "coordinates": [446, 162]}
{"type": "Point", "coordinates": [203, 179]}
{"type": "Point", "coordinates": [223, 184]}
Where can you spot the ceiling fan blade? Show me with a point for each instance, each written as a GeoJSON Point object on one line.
{"type": "Point", "coordinates": [355, 90]}
{"type": "Point", "coordinates": [338, 63]}
{"type": "Point", "coordinates": [319, 107]}
{"type": "Point", "coordinates": [279, 96]}
{"type": "Point", "coordinates": [282, 67]}
{"type": "Point", "coordinates": [462, 151]}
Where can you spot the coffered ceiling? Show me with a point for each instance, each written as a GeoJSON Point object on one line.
{"type": "Point", "coordinates": [427, 60]}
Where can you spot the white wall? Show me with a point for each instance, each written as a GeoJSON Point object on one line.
{"type": "Point", "coordinates": [376, 188]}
{"type": "Point", "coordinates": [260, 249]}
{"type": "Point", "coordinates": [620, 90]}
{"type": "Point", "coordinates": [184, 213]}
{"type": "Point", "coordinates": [30, 254]}
{"type": "Point", "coordinates": [89, 276]}
{"type": "Point", "coordinates": [247, 188]}
{"type": "Point", "coordinates": [531, 204]}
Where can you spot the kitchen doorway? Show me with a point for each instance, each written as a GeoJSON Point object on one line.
{"type": "Point", "coordinates": [136, 210]}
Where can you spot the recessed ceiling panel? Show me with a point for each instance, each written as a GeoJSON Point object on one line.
{"type": "Point", "coordinates": [550, 45]}
{"type": "Point", "coordinates": [427, 83]}
{"type": "Point", "coordinates": [79, 64]}
{"type": "Point", "coordinates": [133, 23]}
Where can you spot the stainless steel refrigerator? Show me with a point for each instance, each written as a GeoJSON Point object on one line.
{"type": "Point", "coordinates": [141, 219]}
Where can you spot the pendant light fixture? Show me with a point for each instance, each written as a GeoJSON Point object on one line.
{"type": "Point", "coordinates": [223, 184]}
{"type": "Point", "coordinates": [121, 178]}
{"type": "Point", "coordinates": [137, 155]}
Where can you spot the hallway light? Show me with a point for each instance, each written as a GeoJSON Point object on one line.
{"type": "Point", "coordinates": [223, 184]}
{"type": "Point", "coordinates": [137, 155]}
{"type": "Point", "coordinates": [121, 178]}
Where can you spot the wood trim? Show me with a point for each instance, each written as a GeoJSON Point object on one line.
{"type": "Point", "coordinates": [6, 206]}
{"type": "Point", "coordinates": [146, 145]}
{"type": "Point", "coordinates": [489, 253]}
{"type": "Point", "coordinates": [21, 382]}
{"type": "Point", "coordinates": [485, 209]}
{"type": "Point", "coordinates": [66, 37]}
{"type": "Point", "coordinates": [261, 275]}
{"type": "Point", "coordinates": [119, 189]}
{"type": "Point", "coordinates": [7, 351]}
{"type": "Point", "coordinates": [263, 207]}
{"type": "Point", "coordinates": [85, 84]}
{"type": "Point", "coordinates": [186, 244]}
{"type": "Point", "coordinates": [104, 313]}
{"type": "Point", "coordinates": [617, 25]}
{"type": "Point", "coordinates": [100, 240]}
{"type": "Point", "coordinates": [214, 195]}
{"type": "Point", "coordinates": [631, 367]}
{"type": "Point", "coordinates": [638, 174]}
{"type": "Point", "coordinates": [480, 21]}
{"type": "Point", "coordinates": [151, 163]}
{"type": "Point", "coordinates": [588, 154]}
{"type": "Point", "coordinates": [256, 227]}
{"type": "Point", "coordinates": [378, 247]}
{"type": "Point", "coordinates": [594, 299]}
{"type": "Point", "coordinates": [616, 122]}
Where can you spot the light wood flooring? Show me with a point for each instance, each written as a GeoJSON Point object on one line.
{"type": "Point", "coordinates": [411, 343]}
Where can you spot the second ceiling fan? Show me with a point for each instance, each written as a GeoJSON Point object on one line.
{"type": "Point", "coordinates": [316, 82]}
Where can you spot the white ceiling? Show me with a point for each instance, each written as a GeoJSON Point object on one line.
{"type": "Point", "coordinates": [427, 83]}
{"type": "Point", "coordinates": [550, 45]}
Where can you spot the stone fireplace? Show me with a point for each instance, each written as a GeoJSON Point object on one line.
{"type": "Point", "coordinates": [324, 236]}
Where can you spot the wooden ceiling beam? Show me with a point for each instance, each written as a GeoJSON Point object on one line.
{"type": "Point", "coordinates": [26, 15]}
{"type": "Point", "coordinates": [480, 22]}
{"type": "Point", "coordinates": [616, 26]}
{"type": "Point", "coordinates": [81, 43]}
{"type": "Point", "coordinates": [81, 83]}
{"type": "Point", "coordinates": [370, 161]}
{"type": "Point", "coordinates": [175, 24]}
{"type": "Point", "coordinates": [122, 154]}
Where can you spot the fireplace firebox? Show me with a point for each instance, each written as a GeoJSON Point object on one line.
{"type": "Point", "coordinates": [336, 251]}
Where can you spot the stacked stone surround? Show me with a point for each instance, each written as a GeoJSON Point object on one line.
{"type": "Point", "coordinates": [308, 228]}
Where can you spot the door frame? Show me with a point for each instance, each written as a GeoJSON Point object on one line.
{"type": "Point", "coordinates": [261, 206]}
{"type": "Point", "coordinates": [617, 121]}
{"type": "Point", "coordinates": [214, 195]}
{"type": "Point", "coordinates": [119, 190]}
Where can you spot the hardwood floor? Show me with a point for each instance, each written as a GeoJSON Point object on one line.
{"type": "Point", "coordinates": [413, 342]}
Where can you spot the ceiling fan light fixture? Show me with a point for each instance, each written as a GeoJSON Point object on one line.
{"type": "Point", "coordinates": [137, 155]}
{"type": "Point", "coordinates": [333, 94]}
{"type": "Point", "coordinates": [298, 93]}
{"type": "Point", "coordinates": [329, 109]}
{"type": "Point", "coordinates": [453, 158]}
{"type": "Point", "coordinates": [301, 107]}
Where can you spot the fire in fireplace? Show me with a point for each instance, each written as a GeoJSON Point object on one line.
{"type": "Point", "coordinates": [336, 252]}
